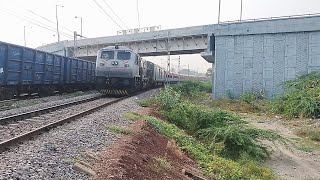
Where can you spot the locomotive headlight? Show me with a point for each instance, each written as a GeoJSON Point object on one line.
{"type": "Point", "coordinates": [126, 65]}
{"type": "Point", "coordinates": [101, 64]}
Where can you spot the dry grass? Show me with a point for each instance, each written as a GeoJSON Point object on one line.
{"type": "Point", "coordinates": [160, 165]}
{"type": "Point", "coordinates": [132, 116]}
{"type": "Point", "coordinates": [239, 106]}
{"type": "Point", "coordinates": [119, 130]}
{"type": "Point", "coordinates": [173, 147]}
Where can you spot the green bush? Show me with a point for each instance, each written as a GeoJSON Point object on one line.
{"type": "Point", "coordinates": [253, 99]}
{"type": "Point", "coordinates": [147, 102]}
{"type": "Point", "coordinates": [301, 97]}
{"type": "Point", "coordinates": [214, 166]}
{"type": "Point", "coordinates": [193, 88]}
{"type": "Point", "coordinates": [168, 98]}
{"type": "Point", "coordinates": [239, 140]}
{"type": "Point", "coordinates": [194, 117]}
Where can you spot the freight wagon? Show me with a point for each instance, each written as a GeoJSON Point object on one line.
{"type": "Point", "coordinates": [26, 70]}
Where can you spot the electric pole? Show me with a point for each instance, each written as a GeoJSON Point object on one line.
{"type": "Point", "coordinates": [241, 10]}
{"type": "Point", "coordinates": [57, 19]}
{"type": "Point", "coordinates": [74, 43]}
{"type": "Point", "coordinates": [77, 17]}
{"type": "Point", "coordinates": [179, 68]}
{"type": "Point", "coordinates": [24, 36]}
{"type": "Point", "coordinates": [219, 11]}
{"type": "Point", "coordinates": [168, 60]}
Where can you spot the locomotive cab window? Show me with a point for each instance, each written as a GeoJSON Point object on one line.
{"type": "Point", "coordinates": [123, 55]}
{"type": "Point", "coordinates": [107, 55]}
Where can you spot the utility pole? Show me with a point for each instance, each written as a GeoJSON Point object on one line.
{"type": "Point", "coordinates": [241, 11]}
{"type": "Point", "coordinates": [74, 43]}
{"type": "Point", "coordinates": [168, 60]}
{"type": "Point", "coordinates": [77, 17]}
{"type": "Point", "coordinates": [24, 36]}
{"type": "Point", "coordinates": [179, 68]}
{"type": "Point", "coordinates": [138, 13]}
{"type": "Point", "coordinates": [57, 19]}
{"type": "Point", "coordinates": [219, 11]}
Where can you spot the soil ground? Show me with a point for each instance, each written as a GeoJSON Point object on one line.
{"type": "Point", "coordinates": [136, 156]}
{"type": "Point", "coordinates": [144, 155]}
{"type": "Point", "coordinates": [286, 160]}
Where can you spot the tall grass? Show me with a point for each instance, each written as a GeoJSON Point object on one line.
{"type": "Point", "coordinates": [301, 97]}
{"type": "Point", "coordinates": [212, 126]}
{"type": "Point", "coordinates": [193, 88]}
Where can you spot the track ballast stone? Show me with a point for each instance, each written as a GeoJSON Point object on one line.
{"type": "Point", "coordinates": [53, 154]}
{"type": "Point", "coordinates": [35, 104]}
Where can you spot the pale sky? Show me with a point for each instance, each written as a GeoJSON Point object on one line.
{"type": "Point", "coordinates": [15, 14]}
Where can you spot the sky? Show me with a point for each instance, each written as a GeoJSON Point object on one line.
{"type": "Point", "coordinates": [39, 18]}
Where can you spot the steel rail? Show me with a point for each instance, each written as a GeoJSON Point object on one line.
{"type": "Point", "coordinates": [38, 112]}
{"type": "Point", "coordinates": [8, 143]}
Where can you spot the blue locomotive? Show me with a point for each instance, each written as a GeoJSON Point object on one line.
{"type": "Point", "coordinates": [26, 70]}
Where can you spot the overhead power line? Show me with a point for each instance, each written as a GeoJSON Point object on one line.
{"type": "Point", "coordinates": [37, 23]}
{"type": "Point", "coordinates": [115, 14]}
{"type": "Point", "coordinates": [49, 20]}
{"type": "Point", "coordinates": [107, 14]}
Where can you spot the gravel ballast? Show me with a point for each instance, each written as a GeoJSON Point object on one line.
{"type": "Point", "coordinates": [53, 154]}
{"type": "Point", "coordinates": [35, 104]}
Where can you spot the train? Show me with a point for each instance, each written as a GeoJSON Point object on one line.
{"type": "Point", "coordinates": [119, 70]}
{"type": "Point", "coordinates": [27, 70]}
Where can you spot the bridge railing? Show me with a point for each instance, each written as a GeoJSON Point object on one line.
{"type": "Point", "coordinates": [270, 18]}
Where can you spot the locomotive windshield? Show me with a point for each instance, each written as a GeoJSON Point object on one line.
{"type": "Point", "coordinates": [107, 55]}
{"type": "Point", "coordinates": [123, 55]}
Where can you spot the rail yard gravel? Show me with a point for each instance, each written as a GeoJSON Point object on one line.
{"type": "Point", "coordinates": [52, 155]}
{"type": "Point", "coordinates": [34, 104]}
{"type": "Point", "coordinates": [20, 127]}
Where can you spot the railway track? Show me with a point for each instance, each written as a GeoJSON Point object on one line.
{"type": "Point", "coordinates": [29, 114]}
{"type": "Point", "coordinates": [6, 104]}
{"type": "Point", "coordinates": [20, 127]}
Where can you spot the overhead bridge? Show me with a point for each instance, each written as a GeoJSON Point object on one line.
{"type": "Point", "coordinates": [190, 40]}
{"type": "Point", "coordinates": [256, 55]}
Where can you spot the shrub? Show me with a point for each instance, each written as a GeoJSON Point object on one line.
{"type": "Point", "coordinates": [253, 99]}
{"type": "Point", "coordinates": [213, 166]}
{"type": "Point", "coordinates": [147, 102]}
{"type": "Point", "coordinates": [160, 165]}
{"type": "Point", "coordinates": [195, 117]}
{"type": "Point", "coordinates": [193, 88]}
{"type": "Point", "coordinates": [168, 98]}
{"type": "Point", "coordinates": [301, 97]}
{"type": "Point", "coordinates": [239, 140]}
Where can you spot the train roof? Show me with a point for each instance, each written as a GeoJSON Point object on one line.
{"type": "Point", "coordinates": [116, 47]}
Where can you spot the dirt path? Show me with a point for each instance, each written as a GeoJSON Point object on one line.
{"type": "Point", "coordinates": [287, 161]}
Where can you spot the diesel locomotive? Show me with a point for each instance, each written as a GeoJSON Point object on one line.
{"type": "Point", "coordinates": [119, 70]}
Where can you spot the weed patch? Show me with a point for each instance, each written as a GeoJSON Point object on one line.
{"type": "Point", "coordinates": [311, 133]}
{"type": "Point", "coordinates": [214, 166]}
{"type": "Point", "coordinates": [160, 165]}
{"type": "Point", "coordinates": [238, 140]}
{"type": "Point", "coordinates": [146, 103]}
{"type": "Point", "coordinates": [301, 97]}
{"type": "Point", "coordinates": [192, 88]}
{"type": "Point", "coordinates": [119, 130]}
{"type": "Point", "coordinates": [132, 116]}
{"type": "Point", "coordinates": [168, 99]}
